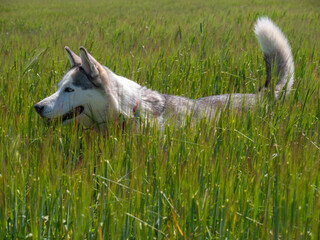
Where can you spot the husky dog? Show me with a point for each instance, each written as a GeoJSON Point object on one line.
{"type": "Point", "coordinates": [94, 95]}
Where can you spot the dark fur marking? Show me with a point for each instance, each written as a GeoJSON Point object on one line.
{"type": "Point", "coordinates": [268, 60]}
{"type": "Point", "coordinates": [81, 79]}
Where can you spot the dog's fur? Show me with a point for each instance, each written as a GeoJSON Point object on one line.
{"type": "Point", "coordinates": [94, 95]}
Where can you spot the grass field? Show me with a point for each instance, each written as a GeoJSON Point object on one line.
{"type": "Point", "coordinates": [248, 176]}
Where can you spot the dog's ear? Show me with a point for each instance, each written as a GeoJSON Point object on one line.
{"type": "Point", "coordinates": [88, 63]}
{"type": "Point", "coordinates": [73, 58]}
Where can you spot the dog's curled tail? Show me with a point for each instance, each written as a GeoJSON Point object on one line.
{"type": "Point", "coordinates": [276, 48]}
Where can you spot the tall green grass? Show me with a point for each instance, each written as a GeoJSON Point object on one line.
{"type": "Point", "coordinates": [248, 176]}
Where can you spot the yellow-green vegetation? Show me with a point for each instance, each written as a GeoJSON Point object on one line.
{"type": "Point", "coordinates": [246, 176]}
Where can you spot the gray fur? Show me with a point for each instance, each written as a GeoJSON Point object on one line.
{"type": "Point", "coordinates": [121, 96]}
{"type": "Point", "coordinates": [169, 106]}
{"type": "Point", "coordinates": [80, 79]}
{"type": "Point", "coordinates": [73, 58]}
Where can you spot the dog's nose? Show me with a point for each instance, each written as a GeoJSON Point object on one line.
{"type": "Point", "coordinates": [38, 108]}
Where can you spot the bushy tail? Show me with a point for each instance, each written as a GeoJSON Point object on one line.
{"type": "Point", "coordinates": [276, 48]}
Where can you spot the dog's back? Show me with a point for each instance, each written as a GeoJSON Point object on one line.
{"type": "Point", "coordinates": [93, 94]}
{"type": "Point", "coordinates": [276, 50]}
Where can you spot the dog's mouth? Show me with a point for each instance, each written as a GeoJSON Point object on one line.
{"type": "Point", "coordinates": [73, 113]}
{"type": "Point", "coordinates": [69, 115]}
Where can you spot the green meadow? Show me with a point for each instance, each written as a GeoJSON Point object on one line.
{"type": "Point", "coordinates": [254, 175]}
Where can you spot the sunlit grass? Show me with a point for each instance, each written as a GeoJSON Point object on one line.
{"type": "Point", "coordinates": [248, 176]}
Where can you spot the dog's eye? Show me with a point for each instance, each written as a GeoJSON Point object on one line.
{"type": "Point", "coordinates": [67, 89]}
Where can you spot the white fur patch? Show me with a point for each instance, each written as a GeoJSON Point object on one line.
{"type": "Point", "coordinates": [272, 41]}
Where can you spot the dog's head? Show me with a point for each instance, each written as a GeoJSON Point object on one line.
{"type": "Point", "coordinates": [82, 93]}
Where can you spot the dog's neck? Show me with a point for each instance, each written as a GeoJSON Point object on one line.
{"type": "Point", "coordinates": [126, 95]}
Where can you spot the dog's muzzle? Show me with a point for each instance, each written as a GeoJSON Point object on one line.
{"type": "Point", "coordinates": [39, 109]}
